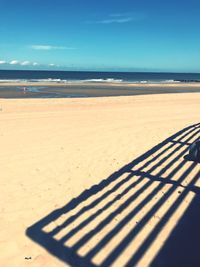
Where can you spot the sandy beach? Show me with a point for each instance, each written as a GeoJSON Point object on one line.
{"type": "Point", "coordinates": [54, 152]}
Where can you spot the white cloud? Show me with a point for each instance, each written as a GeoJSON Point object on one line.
{"type": "Point", "coordinates": [117, 20]}
{"type": "Point", "coordinates": [25, 63]}
{"type": "Point", "coordinates": [14, 62]}
{"type": "Point", "coordinates": [41, 47]}
{"type": "Point", "coordinates": [50, 47]}
{"type": "Point", "coordinates": [120, 18]}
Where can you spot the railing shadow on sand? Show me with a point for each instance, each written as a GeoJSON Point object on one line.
{"type": "Point", "coordinates": [145, 214]}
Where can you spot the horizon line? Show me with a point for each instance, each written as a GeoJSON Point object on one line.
{"type": "Point", "coordinates": [110, 71]}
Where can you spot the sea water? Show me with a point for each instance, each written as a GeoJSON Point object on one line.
{"type": "Point", "coordinates": [92, 76]}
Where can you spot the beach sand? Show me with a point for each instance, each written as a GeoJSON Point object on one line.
{"type": "Point", "coordinates": [52, 150]}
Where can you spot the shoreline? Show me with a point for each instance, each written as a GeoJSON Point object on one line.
{"type": "Point", "coordinates": [88, 89]}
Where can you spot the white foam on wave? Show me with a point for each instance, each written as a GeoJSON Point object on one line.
{"type": "Point", "coordinates": [155, 81]}
{"type": "Point", "coordinates": [108, 80]}
{"type": "Point", "coordinates": [170, 81]}
{"type": "Point", "coordinates": [48, 80]}
{"type": "Point", "coordinates": [99, 80]}
{"type": "Point", "coordinates": [13, 81]}
{"type": "Point", "coordinates": [32, 80]}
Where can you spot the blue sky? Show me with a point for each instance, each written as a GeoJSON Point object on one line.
{"type": "Point", "coordinates": [115, 35]}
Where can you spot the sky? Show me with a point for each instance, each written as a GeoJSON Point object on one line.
{"type": "Point", "coordinates": [102, 35]}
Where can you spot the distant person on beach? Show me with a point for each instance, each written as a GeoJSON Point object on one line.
{"type": "Point", "coordinates": [24, 89]}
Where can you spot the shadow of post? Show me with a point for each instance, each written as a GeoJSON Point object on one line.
{"type": "Point", "coordinates": [135, 215]}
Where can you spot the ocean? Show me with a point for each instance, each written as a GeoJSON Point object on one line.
{"type": "Point", "coordinates": [92, 76]}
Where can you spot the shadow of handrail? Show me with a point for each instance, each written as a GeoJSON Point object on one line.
{"type": "Point", "coordinates": [117, 220]}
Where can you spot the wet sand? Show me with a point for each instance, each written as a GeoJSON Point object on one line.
{"type": "Point", "coordinates": [57, 90]}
